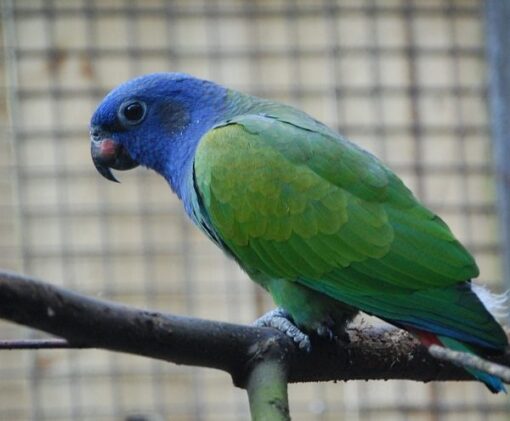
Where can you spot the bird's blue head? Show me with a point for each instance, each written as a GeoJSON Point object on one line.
{"type": "Point", "coordinates": [155, 120]}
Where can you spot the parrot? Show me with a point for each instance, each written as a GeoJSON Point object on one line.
{"type": "Point", "coordinates": [321, 224]}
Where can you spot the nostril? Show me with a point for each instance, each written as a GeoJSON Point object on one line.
{"type": "Point", "coordinates": [94, 132]}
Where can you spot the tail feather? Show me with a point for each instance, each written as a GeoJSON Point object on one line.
{"type": "Point", "coordinates": [493, 383]}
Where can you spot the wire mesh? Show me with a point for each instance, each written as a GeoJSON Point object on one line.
{"type": "Point", "coordinates": [405, 79]}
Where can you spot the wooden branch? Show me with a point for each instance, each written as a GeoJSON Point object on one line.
{"type": "Point", "coordinates": [87, 322]}
{"type": "Point", "coordinates": [12, 344]}
{"type": "Point", "coordinates": [267, 384]}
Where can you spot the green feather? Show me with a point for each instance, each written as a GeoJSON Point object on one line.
{"type": "Point", "coordinates": [293, 200]}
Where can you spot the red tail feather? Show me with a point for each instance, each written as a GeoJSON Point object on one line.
{"type": "Point", "coordinates": [427, 338]}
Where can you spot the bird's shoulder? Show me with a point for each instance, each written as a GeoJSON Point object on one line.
{"type": "Point", "coordinates": [274, 133]}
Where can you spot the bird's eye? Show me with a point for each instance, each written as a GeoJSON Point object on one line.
{"type": "Point", "coordinates": [132, 112]}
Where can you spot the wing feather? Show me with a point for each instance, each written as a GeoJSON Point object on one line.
{"type": "Point", "coordinates": [320, 204]}
{"type": "Point", "coordinates": [291, 200]}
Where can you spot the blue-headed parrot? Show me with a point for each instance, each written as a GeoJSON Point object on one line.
{"type": "Point", "coordinates": [324, 226]}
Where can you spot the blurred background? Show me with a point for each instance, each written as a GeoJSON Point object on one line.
{"type": "Point", "coordinates": [405, 79]}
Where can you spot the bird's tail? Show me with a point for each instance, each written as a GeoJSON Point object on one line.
{"type": "Point", "coordinates": [493, 383]}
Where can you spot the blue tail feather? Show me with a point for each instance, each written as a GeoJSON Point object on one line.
{"type": "Point", "coordinates": [452, 333]}
{"type": "Point", "coordinates": [493, 383]}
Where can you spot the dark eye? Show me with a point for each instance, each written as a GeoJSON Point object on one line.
{"type": "Point", "coordinates": [132, 112]}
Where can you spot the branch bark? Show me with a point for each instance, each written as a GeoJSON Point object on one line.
{"type": "Point", "coordinates": [88, 322]}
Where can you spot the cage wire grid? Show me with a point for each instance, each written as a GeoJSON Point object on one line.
{"type": "Point", "coordinates": [404, 79]}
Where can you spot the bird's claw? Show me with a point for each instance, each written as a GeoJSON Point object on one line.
{"type": "Point", "coordinates": [281, 320]}
{"type": "Point", "coordinates": [325, 332]}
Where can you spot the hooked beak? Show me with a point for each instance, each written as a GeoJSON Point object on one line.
{"type": "Point", "coordinates": [107, 154]}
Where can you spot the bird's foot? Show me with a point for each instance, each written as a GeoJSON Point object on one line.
{"type": "Point", "coordinates": [281, 320]}
{"type": "Point", "coordinates": [332, 332]}
{"type": "Point", "coordinates": [324, 331]}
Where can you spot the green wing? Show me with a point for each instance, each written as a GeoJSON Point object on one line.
{"type": "Point", "coordinates": [293, 200]}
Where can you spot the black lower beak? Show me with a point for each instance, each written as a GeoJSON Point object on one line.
{"type": "Point", "coordinates": [108, 154]}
